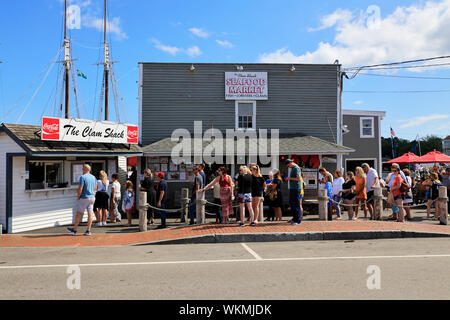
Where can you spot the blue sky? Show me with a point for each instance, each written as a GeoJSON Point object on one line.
{"type": "Point", "coordinates": [232, 31]}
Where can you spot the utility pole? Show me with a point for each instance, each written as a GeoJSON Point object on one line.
{"type": "Point", "coordinates": [106, 66]}
{"type": "Point", "coordinates": [66, 61]}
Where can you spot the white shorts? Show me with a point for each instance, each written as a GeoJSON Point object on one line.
{"type": "Point", "coordinates": [85, 204]}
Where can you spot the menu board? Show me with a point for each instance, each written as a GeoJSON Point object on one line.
{"type": "Point", "coordinates": [77, 172]}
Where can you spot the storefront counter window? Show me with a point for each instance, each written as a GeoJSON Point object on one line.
{"type": "Point", "coordinates": [44, 174]}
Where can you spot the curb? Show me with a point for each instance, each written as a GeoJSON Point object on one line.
{"type": "Point", "coordinates": [298, 236]}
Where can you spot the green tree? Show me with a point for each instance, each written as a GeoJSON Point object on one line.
{"type": "Point", "coordinates": [427, 144]}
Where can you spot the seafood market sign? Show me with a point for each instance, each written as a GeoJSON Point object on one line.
{"type": "Point", "coordinates": [246, 86]}
{"type": "Point", "coordinates": [80, 130]}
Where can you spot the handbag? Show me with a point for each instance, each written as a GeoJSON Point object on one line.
{"type": "Point", "coordinates": [390, 198]}
{"type": "Point", "coordinates": [404, 187]}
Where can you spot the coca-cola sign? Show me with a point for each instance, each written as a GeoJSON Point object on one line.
{"type": "Point", "coordinates": [80, 130]}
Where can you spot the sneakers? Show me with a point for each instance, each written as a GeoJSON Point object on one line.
{"type": "Point", "coordinates": [99, 224]}
{"type": "Point", "coordinates": [104, 223]}
{"type": "Point", "coordinates": [71, 231]}
{"type": "Point", "coordinates": [241, 224]}
{"type": "Point", "coordinates": [87, 233]}
{"type": "Point", "coordinates": [252, 224]}
{"type": "Point", "coordinates": [161, 227]}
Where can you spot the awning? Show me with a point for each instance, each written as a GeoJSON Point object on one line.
{"type": "Point", "coordinates": [28, 137]}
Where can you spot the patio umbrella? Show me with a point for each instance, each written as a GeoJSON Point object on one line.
{"type": "Point", "coordinates": [434, 157]}
{"type": "Point", "coordinates": [405, 159]}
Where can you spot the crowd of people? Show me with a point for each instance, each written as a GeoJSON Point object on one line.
{"type": "Point", "coordinates": [352, 192]}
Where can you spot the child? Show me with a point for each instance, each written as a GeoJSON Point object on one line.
{"type": "Point", "coordinates": [128, 201]}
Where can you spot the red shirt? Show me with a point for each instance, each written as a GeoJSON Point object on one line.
{"type": "Point", "coordinates": [397, 181]}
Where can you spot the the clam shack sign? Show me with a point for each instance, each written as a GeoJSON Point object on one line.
{"type": "Point", "coordinates": [80, 130]}
{"type": "Point", "coordinates": [246, 86]}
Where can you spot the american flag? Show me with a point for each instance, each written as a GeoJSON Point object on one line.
{"type": "Point", "coordinates": [392, 132]}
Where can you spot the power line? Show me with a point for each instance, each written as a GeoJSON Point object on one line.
{"type": "Point", "coordinates": [396, 63]}
{"type": "Point", "coordinates": [399, 91]}
{"type": "Point", "coordinates": [404, 77]}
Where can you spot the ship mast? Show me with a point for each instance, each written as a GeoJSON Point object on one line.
{"type": "Point", "coordinates": [106, 65]}
{"type": "Point", "coordinates": [66, 62]}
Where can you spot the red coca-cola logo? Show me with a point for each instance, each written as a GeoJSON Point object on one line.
{"type": "Point", "coordinates": [132, 134]}
{"type": "Point", "coordinates": [50, 129]}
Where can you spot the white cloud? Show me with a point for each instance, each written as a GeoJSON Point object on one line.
{"type": "Point", "coordinates": [168, 49]}
{"type": "Point", "coordinates": [417, 31]}
{"type": "Point", "coordinates": [193, 51]}
{"type": "Point", "coordinates": [358, 102]}
{"type": "Point", "coordinates": [225, 43]}
{"type": "Point", "coordinates": [421, 120]}
{"type": "Point", "coordinates": [113, 25]}
{"type": "Point", "coordinates": [199, 32]}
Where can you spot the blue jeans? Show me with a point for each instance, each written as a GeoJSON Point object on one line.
{"type": "Point", "coordinates": [338, 208]}
{"type": "Point", "coordinates": [294, 203]}
{"type": "Point", "coordinates": [163, 214]}
{"type": "Point", "coordinates": [192, 210]}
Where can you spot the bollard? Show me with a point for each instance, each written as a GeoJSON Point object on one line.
{"type": "Point", "coordinates": [142, 211]}
{"type": "Point", "coordinates": [1, 229]}
{"type": "Point", "coordinates": [378, 203]}
{"type": "Point", "coordinates": [200, 207]}
{"type": "Point", "coordinates": [443, 214]}
{"type": "Point", "coordinates": [184, 204]}
{"type": "Point", "coordinates": [323, 204]}
{"type": "Point", "coordinates": [261, 211]}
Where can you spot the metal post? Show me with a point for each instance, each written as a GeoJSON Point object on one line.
{"type": "Point", "coordinates": [323, 206]}
{"type": "Point", "coordinates": [261, 211]}
{"type": "Point", "coordinates": [142, 211]}
{"type": "Point", "coordinates": [200, 207]}
{"type": "Point", "coordinates": [184, 204]}
{"type": "Point", "coordinates": [443, 214]}
{"type": "Point", "coordinates": [378, 203]}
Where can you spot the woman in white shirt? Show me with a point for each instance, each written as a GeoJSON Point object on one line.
{"type": "Point", "coordinates": [115, 199]}
{"type": "Point", "coordinates": [336, 191]}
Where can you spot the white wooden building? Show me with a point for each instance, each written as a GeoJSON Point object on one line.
{"type": "Point", "coordinates": [40, 178]}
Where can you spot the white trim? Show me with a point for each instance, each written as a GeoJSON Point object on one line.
{"type": "Point", "coordinates": [140, 90]}
{"type": "Point", "coordinates": [236, 117]}
{"type": "Point", "coordinates": [361, 135]}
{"type": "Point", "coordinates": [380, 165]}
{"type": "Point", "coordinates": [381, 114]}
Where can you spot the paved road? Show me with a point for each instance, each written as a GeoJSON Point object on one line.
{"type": "Point", "coordinates": [408, 269]}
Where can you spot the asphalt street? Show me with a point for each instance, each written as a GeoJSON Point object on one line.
{"type": "Point", "coordinates": [372, 269]}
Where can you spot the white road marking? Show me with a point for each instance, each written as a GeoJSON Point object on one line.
{"type": "Point", "coordinates": [219, 261]}
{"type": "Point", "coordinates": [253, 253]}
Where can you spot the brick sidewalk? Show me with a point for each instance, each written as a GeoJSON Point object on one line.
{"type": "Point", "coordinates": [64, 240]}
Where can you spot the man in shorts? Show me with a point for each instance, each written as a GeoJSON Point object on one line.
{"type": "Point", "coordinates": [372, 181]}
{"type": "Point", "coordinates": [85, 200]}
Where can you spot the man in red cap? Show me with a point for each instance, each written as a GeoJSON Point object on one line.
{"type": "Point", "coordinates": [161, 197]}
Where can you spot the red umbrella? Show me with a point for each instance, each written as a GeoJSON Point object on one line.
{"type": "Point", "coordinates": [434, 157]}
{"type": "Point", "coordinates": [406, 158]}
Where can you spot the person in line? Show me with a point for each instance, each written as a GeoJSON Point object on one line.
{"type": "Point", "coordinates": [277, 202]}
{"type": "Point", "coordinates": [329, 188]}
{"type": "Point", "coordinates": [336, 192]}
{"type": "Point", "coordinates": [446, 182]}
{"type": "Point", "coordinates": [389, 180]}
{"type": "Point", "coordinates": [323, 174]}
{"type": "Point", "coordinates": [161, 198]}
{"type": "Point", "coordinates": [226, 192]}
{"type": "Point", "coordinates": [201, 168]}
{"type": "Point", "coordinates": [128, 201]}
{"type": "Point", "coordinates": [115, 199]}
{"type": "Point", "coordinates": [271, 215]}
{"type": "Point", "coordinates": [295, 186]}
{"type": "Point", "coordinates": [361, 195]}
{"type": "Point", "coordinates": [216, 193]}
{"type": "Point", "coordinates": [86, 199]}
{"type": "Point", "coordinates": [348, 194]}
{"type": "Point", "coordinates": [197, 185]}
{"type": "Point", "coordinates": [101, 203]}
{"type": "Point", "coordinates": [399, 196]}
{"type": "Point", "coordinates": [244, 186]}
{"type": "Point", "coordinates": [434, 184]}
{"type": "Point", "coordinates": [258, 185]}
{"type": "Point", "coordinates": [408, 195]}
{"type": "Point", "coordinates": [372, 181]}
{"type": "Point", "coordinates": [147, 185]}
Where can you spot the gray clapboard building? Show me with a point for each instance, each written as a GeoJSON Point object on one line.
{"type": "Point", "coordinates": [303, 101]}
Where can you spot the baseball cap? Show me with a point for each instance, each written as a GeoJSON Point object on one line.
{"type": "Point", "coordinates": [288, 161]}
{"type": "Point", "coordinates": [160, 174]}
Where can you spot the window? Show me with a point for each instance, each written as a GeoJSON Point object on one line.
{"type": "Point", "coordinates": [46, 174]}
{"type": "Point", "coordinates": [367, 128]}
{"type": "Point", "coordinates": [245, 115]}
{"type": "Point", "coordinates": [96, 167]}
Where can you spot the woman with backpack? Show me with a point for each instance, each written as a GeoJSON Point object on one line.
{"type": "Point", "coordinates": [101, 199]}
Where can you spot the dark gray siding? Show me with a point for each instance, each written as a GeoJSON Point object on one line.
{"type": "Point", "coordinates": [301, 101]}
{"type": "Point", "coordinates": [365, 147]}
